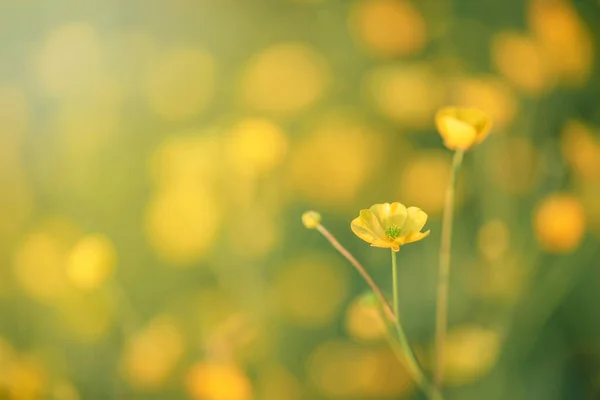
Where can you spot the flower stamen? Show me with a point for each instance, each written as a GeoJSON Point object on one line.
{"type": "Point", "coordinates": [393, 232]}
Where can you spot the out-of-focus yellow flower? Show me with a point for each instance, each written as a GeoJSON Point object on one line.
{"type": "Point", "coordinates": [462, 127]}
{"type": "Point", "coordinates": [212, 381]}
{"type": "Point", "coordinates": [390, 225]}
{"type": "Point", "coordinates": [311, 219]}
{"type": "Point", "coordinates": [490, 93]}
{"type": "Point", "coordinates": [151, 354]}
{"type": "Point", "coordinates": [471, 351]}
{"type": "Point", "coordinates": [364, 322]}
{"type": "Point", "coordinates": [559, 223]}
{"type": "Point", "coordinates": [91, 262]}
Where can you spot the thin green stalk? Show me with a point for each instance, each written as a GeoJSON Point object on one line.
{"type": "Point", "coordinates": [444, 272]}
{"type": "Point", "coordinates": [403, 346]}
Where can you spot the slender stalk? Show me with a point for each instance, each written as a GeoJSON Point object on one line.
{"type": "Point", "coordinates": [363, 272]}
{"type": "Point", "coordinates": [444, 272]}
{"type": "Point", "coordinates": [395, 285]}
{"type": "Point", "coordinates": [401, 348]}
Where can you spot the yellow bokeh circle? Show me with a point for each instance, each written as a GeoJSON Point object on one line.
{"type": "Point", "coordinates": [364, 321]}
{"type": "Point", "coordinates": [522, 61]}
{"type": "Point", "coordinates": [180, 83]}
{"type": "Point", "coordinates": [255, 146]}
{"type": "Point", "coordinates": [182, 223]}
{"type": "Point", "coordinates": [39, 266]}
{"type": "Point", "coordinates": [342, 369]}
{"type": "Point", "coordinates": [432, 167]}
{"type": "Point", "coordinates": [285, 78]}
{"type": "Point", "coordinates": [311, 290]}
{"type": "Point", "coordinates": [387, 86]}
{"type": "Point", "coordinates": [559, 223]}
{"type": "Point", "coordinates": [471, 351]}
{"type": "Point", "coordinates": [152, 353]}
{"type": "Point", "coordinates": [332, 163]}
{"type": "Point", "coordinates": [70, 58]}
{"type": "Point", "coordinates": [565, 39]}
{"type": "Point", "coordinates": [490, 94]}
{"type": "Point", "coordinates": [581, 148]}
{"type": "Point", "coordinates": [91, 261]}
{"type": "Point", "coordinates": [388, 28]}
{"type": "Point", "coordinates": [216, 381]}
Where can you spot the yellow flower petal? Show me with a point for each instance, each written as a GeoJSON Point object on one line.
{"type": "Point", "coordinates": [461, 128]}
{"type": "Point", "coordinates": [457, 134]}
{"type": "Point", "coordinates": [415, 220]}
{"type": "Point", "coordinates": [415, 236]}
{"type": "Point", "coordinates": [372, 222]}
{"type": "Point", "coordinates": [397, 216]}
{"type": "Point", "coordinates": [389, 214]}
{"type": "Point", "coordinates": [381, 211]}
{"type": "Point", "coordinates": [361, 230]}
{"type": "Point", "coordinates": [382, 243]}
{"type": "Point", "coordinates": [383, 222]}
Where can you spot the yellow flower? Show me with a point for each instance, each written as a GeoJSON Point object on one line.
{"type": "Point", "coordinates": [462, 127]}
{"type": "Point", "coordinates": [390, 225]}
{"type": "Point", "coordinates": [311, 219]}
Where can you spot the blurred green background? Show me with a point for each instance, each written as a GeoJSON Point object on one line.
{"type": "Point", "coordinates": [156, 157]}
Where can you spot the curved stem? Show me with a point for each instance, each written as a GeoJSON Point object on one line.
{"type": "Point", "coordinates": [401, 347]}
{"type": "Point", "coordinates": [387, 309]}
{"type": "Point", "coordinates": [444, 272]}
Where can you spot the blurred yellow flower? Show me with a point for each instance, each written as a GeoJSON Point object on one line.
{"type": "Point", "coordinates": [471, 351]}
{"type": "Point", "coordinates": [559, 223]}
{"type": "Point", "coordinates": [91, 262]}
{"type": "Point", "coordinates": [390, 225]}
{"type": "Point", "coordinates": [216, 381]}
{"type": "Point", "coordinates": [462, 127]}
{"type": "Point", "coordinates": [311, 219]}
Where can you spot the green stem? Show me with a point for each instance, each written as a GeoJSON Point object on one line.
{"type": "Point", "coordinates": [402, 348]}
{"type": "Point", "coordinates": [444, 272]}
{"type": "Point", "coordinates": [395, 285]}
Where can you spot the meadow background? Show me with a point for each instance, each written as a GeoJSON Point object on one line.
{"type": "Point", "coordinates": [156, 157]}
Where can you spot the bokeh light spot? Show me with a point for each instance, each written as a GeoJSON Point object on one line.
{"type": "Point", "coordinates": [388, 28]}
{"type": "Point", "coordinates": [71, 57]}
{"type": "Point", "coordinates": [182, 223]}
{"type": "Point", "coordinates": [286, 78]}
{"type": "Point", "coordinates": [151, 354]}
{"type": "Point", "coordinates": [212, 381]}
{"type": "Point", "coordinates": [256, 146]}
{"type": "Point", "coordinates": [311, 290]}
{"type": "Point", "coordinates": [559, 223]}
{"type": "Point", "coordinates": [388, 86]}
{"type": "Point", "coordinates": [91, 261]}
{"type": "Point", "coordinates": [423, 180]}
{"type": "Point", "coordinates": [186, 159]}
{"type": "Point", "coordinates": [180, 83]}
{"type": "Point", "coordinates": [27, 378]}
{"type": "Point", "coordinates": [471, 351]}
{"type": "Point", "coordinates": [581, 148]}
{"type": "Point", "coordinates": [521, 60]}
{"type": "Point", "coordinates": [332, 163]}
{"type": "Point", "coordinates": [343, 370]}
{"type": "Point", "coordinates": [565, 38]}
{"type": "Point", "coordinates": [39, 266]}
{"type": "Point", "coordinates": [364, 321]}
{"type": "Point", "coordinates": [489, 94]}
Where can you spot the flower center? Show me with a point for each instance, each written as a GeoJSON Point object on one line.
{"type": "Point", "coordinates": [392, 232]}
